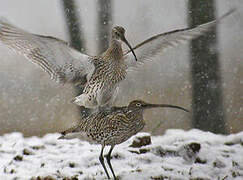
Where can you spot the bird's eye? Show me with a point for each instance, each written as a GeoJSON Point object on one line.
{"type": "Point", "coordinates": [138, 104]}
{"type": "Point", "coordinates": [117, 33]}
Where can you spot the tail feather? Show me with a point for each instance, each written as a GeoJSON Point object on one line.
{"type": "Point", "coordinates": [78, 135]}
{"type": "Point", "coordinates": [76, 132]}
{"type": "Point", "coordinates": [73, 129]}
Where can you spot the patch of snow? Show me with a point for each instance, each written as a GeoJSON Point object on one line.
{"type": "Point", "coordinates": [177, 154]}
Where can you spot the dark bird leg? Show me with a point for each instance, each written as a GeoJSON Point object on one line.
{"type": "Point", "coordinates": [101, 158]}
{"type": "Point", "coordinates": [108, 158]}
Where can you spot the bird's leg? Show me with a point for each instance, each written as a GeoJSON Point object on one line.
{"type": "Point", "coordinates": [108, 158]}
{"type": "Point", "coordinates": [101, 158]}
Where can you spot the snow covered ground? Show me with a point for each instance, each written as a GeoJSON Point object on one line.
{"type": "Point", "coordinates": [178, 154]}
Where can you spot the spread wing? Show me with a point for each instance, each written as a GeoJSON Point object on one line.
{"type": "Point", "coordinates": [54, 56]}
{"type": "Point", "coordinates": [158, 44]}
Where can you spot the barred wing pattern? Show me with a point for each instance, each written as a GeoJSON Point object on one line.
{"type": "Point", "coordinates": [54, 56]}
{"type": "Point", "coordinates": [151, 47]}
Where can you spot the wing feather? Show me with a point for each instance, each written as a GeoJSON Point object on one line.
{"type": "Point", "coordinates": [158, 44]}
{"type": "Point", "coordinates": [54, 56]}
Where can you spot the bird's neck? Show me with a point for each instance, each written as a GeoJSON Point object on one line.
{"type": "Point", "coordinates": [114, 52]}
{"type": "Point", "coordinates": [136, 114]}
{"type": "Point", "coordinates": [137, 120]}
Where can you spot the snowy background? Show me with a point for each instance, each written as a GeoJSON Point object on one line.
{"type": "Point", "coordinates": [32, 104]}
{"type": "Point", "coordinates": [176, 155]}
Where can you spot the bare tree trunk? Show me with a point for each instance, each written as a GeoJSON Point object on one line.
{"type": "Point", "coordinates": [76, 37]}
{"type": "Point", "coordinates": [73, 25]}
{"type": "Point", "coordinates": [207, 100]}
{"type": "Point", "coordinates": [104, 24]}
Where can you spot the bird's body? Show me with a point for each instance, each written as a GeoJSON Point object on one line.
{"type": "Point", "coordinates": [98, 75]}
{"type": "Point", "coordinates": [110, 126]}
{"type": "Point", "coordinates": [113, 126]}
{"type": "Point", "coordinates": [102, 86]}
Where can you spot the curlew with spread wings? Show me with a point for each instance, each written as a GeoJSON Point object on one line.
{"type": "Point", "coordinates": [99, 75]}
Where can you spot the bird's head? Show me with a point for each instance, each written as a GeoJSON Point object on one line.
{"type": "Point", "coordinates": [118, 33]}
{"type": "Point", "coordinates": [141, 105]}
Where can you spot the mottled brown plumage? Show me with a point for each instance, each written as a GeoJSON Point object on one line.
{"type": "Point", "coordinates": [112, 127]}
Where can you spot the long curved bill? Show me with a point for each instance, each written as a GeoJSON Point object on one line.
{"type": "Point", "coordinates": [164, 106]}
{"type": "Point", "coordinates": [130, 47]}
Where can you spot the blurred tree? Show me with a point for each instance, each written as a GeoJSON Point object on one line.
{"type": "Point", "coordinates": [73, 25]}
{"type": "Point", "coordinates": [207, 100]}
{"type": "Point", "coordinates": [104, 24]}
{"type": "Point", "coordinates": [75, 35]}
